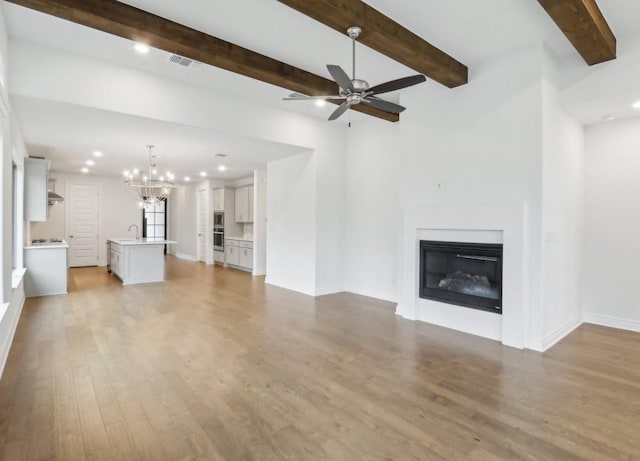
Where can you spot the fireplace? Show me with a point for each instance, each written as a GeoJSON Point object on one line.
{"type": "Point", "coordinates": [464, 274]}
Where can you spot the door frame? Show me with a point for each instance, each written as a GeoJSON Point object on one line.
{"type": "Point", "coordinates": [202, 196]}
{"type": "Point", "coordinates": [71, 182]}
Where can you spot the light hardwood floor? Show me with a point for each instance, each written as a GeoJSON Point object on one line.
{"type": "Point", "coordinates": [214, 365]}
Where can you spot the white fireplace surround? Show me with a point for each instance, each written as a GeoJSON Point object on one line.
{"type": "Point", "coordinates": [504, 223]}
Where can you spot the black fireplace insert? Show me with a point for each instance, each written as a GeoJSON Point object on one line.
{"type": "Point", "coordinates": [464, 274]}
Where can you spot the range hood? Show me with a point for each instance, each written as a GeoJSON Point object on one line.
{"type": "Point", "coordinates": [52, 197]}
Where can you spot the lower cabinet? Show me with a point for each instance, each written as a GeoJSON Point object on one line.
{"type": "Point", "coordinates": [231, 254]}
{"type": "Point", "coordinates": [246, 257]}
{"type": "Point", "coordinates": [116, 260]}
{"type": "Point", "coordinates": [239, 254]}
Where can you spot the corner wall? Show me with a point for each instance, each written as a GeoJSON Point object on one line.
{"type": "Point", "coordinates": [562, 221]}
{"type": "Point", "coordinates": [372, 209]}
{"type": "Point", "coordinates": [291, 224]}
{"type": "Point", "coordinates": [182, 222]}
{"type": "Point", "coordinates": [612, 220]}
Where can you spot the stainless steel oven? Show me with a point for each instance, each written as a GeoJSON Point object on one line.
{"type": "Point", "coordinates": [218, 219]}
{"type": "Point", "coordinates": [218, 239]}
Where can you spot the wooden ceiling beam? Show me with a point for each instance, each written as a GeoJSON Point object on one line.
{"type": "Point", "coordinates": [385, 36]}
{"type": "Point", "coordinates": [586, 28]}
{"type": "Point", "coordinates": [126, 21]}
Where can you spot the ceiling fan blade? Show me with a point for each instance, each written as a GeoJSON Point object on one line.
{"type": "Point", "coordinates": [398, 84]}
{"type": "Point", "coordinates": [339, 111]}
{"type": "Point", "coordinates": [341, 77]}
{"type": "Point", "coordinates": [302, 97]}
{"type": "Point", "coordinates": [384, 105]}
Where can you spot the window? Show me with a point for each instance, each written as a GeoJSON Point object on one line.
{"type": "Point", "coordinates": [14, 216]}
{"type": "Point", "coordinates": [154, 221]}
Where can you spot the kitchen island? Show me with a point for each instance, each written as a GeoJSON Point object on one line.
{"type": "Point", "coordinates": [137, 260]}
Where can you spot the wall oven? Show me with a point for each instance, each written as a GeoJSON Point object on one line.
{"type": "Point", "coordinates": [218, 219]}
{"type": "Point", "coordinates": [218, 239]}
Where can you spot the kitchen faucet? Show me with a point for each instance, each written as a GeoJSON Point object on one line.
{"type": "Point", "coordinates": [137, 231]}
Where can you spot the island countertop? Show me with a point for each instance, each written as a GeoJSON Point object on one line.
{"type": "Point", "coordinates": [143, 241]}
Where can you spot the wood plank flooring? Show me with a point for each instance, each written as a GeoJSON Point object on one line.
{"type": "Point", "coordinates": [214, 365]}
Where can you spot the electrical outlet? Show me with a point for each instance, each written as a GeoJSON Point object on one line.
{"type": "Point", "coordinates": [441, 185]}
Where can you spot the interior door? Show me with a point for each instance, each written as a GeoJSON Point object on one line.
{"type": "Point", "coordinates": [202, 224]}
{"type": "Point", "coordinates": [83, 224]}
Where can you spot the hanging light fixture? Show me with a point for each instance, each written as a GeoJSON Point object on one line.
{"type": "Point", "coordinates": [151, 188]}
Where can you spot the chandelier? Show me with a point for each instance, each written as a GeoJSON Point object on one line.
{"type": "Point", "coordinates": [150, 187]}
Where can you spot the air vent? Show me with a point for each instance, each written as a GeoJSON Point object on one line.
{"type": "Point", "coordinates": [220, 155]}
{"type": "Point", "coordinates": [182, 61]}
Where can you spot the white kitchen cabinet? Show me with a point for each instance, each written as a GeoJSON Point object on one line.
{"type": "Point", "coordinates": [36, 202]}
{"type": "Point", "coordinates": [244, 204]}
{"type": "Point", "coordinates": [116, 260]}
{"type": "Point", "coordinates": [239, 253]}
{"type": "Point", "coordinates": [232, 256]}
{"type": "Point", "coordinates": [245, 258]}
{"type": "Point", "coordinates": [46, 269]}
{"type": "Point", "coordinates": [218, 199]}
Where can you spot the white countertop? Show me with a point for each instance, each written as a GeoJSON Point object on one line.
{"type": "Point", "coordinates": [62, 244]}
{"type": "Point", "coordinates": [239, 238]}
{"type": "Point", "coordinates": [144, 241]}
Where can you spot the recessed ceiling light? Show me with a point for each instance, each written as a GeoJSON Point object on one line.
{"type": "Point", "coordinates": [187, 178]}
{"type": "Point", "coordinates": [636, 105]}
{"type": "Point", "coordinates": [141, 48]}
{"type": "Point", "coordinates": [97, 153]}
{"type": "Point", "coordinates": [222, 168]}
{"type": "Point", "coordinates": [203, 173]}
{"type": "Point", "coordinates": [90, 162]}
{"type": "Point", "coordinates": [320, 102]}
{"type": "Point", "coordinates": [85, 170]}
{"type": "Point", "coordinates": [608, 117]}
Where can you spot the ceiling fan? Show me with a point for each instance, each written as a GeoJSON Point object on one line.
{"type": "Point", "coordinates": [355, 91]}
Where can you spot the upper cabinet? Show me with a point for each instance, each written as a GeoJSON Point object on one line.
{"type": "Point", "coordinates": [36, 203]}
{"type": "Point", "coordinates": [218, 199]}
{"type": "Point", "coordinates": [244, 204]}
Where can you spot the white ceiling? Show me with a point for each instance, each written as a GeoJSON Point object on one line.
{"type": "Point", "coordinates": [471, 31]}
{"type": "Point", "coordinates": [67, 136]}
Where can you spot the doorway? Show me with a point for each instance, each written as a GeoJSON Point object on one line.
{"type": "Point", "coordinates": [83, 224]}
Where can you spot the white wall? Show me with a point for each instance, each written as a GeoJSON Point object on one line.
{"type": "Point", "coordinates": [118, 209]}
{"type": "Point", "coordinates": [562, 219]}
{"type": "Point", "coordinates": [612, 220]}
{"type": "Point", "coordinates": [260, 192]}
{"type": "Point", "coordinates": [182, 222]}
{"type": "Point", "coordinates": [291, 229]}
{"type": "Point", "coordinates": [372, 214]}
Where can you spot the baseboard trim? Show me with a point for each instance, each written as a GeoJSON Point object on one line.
{"type": "Point", "coordinates": [610, 321]}
{"type": "Point", "coordinates": [545, 343]}
{"type": "Point", "coordinates": [372, 294]}
{"type": "Point", "coordinates": [406, 312]}
{"type": "Point", "coordinates": [185, 256]}
{"type": "Point", "coordinates": [270, 281]}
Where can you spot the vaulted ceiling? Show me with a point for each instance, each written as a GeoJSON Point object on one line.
{"type": "Point", "coordinates": [468, 32]}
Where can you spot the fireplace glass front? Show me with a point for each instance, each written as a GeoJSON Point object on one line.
{"type": "Point", "coordinates": [464, 274]}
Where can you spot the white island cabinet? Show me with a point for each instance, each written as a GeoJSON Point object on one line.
{"type": "Point", "coordinates": [137, 260]}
